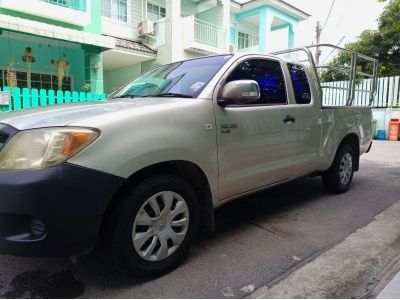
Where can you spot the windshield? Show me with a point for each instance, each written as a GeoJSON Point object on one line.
{"type": "Point", "coordinates": [184, 79]}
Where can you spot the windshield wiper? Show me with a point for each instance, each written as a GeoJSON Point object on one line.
{"type": "Point", "coordinates": [124, 96]}
{"type": "Point", "coordinates": [174, 95]}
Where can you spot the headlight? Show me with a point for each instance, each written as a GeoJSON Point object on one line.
{"type": "Point", "coordinates": [42, 148]}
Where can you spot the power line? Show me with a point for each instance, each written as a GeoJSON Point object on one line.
{"type": "Point", "coordinates": [329, 14]}
{"type": "Point", "coordinates": [326, 20]}
{"type": "Point", "coordinates": [344, 11]}
{"type": "Point", "coordinates": [333, 50]}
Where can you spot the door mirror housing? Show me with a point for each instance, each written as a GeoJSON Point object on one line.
{"type": "Point", "coordinates": [240, 92]}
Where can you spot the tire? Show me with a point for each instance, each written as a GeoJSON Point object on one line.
{"type": "Point", "coordinates": [340, 175]}
{"type": "Point", "coordinates": [134, 223]}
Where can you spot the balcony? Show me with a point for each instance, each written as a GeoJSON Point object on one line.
{"type": "Point", "coordinates": [72, 4]}
{"type": "Point", "coordinates": [246, 42]}
{"type": "Point", "coordinates": [76, 12]}
{"type": "Point", "coordinates": [203, 37]}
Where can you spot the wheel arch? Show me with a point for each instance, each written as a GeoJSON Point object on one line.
{"type": "Point", "coordinates": [186, 170]}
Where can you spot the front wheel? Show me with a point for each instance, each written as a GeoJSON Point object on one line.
{"type": "Point", "coordinates": [340, 175]}
{"type": "Point", "coordinates": [154, 225]}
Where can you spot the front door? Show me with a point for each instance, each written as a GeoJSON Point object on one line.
{"type": "Point", "coordinates": [257, 145]}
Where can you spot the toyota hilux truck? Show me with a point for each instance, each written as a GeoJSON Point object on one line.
{"type": "Point", "coordinates": [145, 169]}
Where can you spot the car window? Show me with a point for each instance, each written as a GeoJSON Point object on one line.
{"type": "Point", "coordinates": [301, 86]}
{"type": "Point", "coordinates": [269, 76]}
{"type": "Point", "coordinates": [186, 78]}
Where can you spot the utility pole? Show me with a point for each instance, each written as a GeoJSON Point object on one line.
{"type": "Point", "coordinates": [318, 39]}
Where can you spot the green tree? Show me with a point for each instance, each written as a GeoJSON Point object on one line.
{"type": "Point", "coordinates": [382, 44]}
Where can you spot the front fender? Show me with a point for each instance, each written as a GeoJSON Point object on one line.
{"type": "Point", "coordinates": [132, 141]}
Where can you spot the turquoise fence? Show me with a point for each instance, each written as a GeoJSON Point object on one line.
{"type": "Point", "coordinates": [30, 98]}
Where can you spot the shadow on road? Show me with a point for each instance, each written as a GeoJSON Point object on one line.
{"type": "Point", "coordinates": [231, 218]}
{"type": "Point", "coordinates": [257, 239]}
{"type": "Point", "coordinates": [296, 218]}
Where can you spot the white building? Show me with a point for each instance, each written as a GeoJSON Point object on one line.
{"type": "Point", "coordinates": [106, 43]}
{"type": "Point", "coordinates": [152, 32]}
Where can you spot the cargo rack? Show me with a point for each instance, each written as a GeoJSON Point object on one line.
{"type": "Point", "coordinates": [351, 70]}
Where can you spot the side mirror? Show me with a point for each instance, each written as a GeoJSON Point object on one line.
{"type": "Point", "coordinates": [239, 92]}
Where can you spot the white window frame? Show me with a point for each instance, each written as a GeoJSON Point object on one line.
{"type": "Point", "coordinates": [128, 13]}
{"type": "Point", "coordinates": [245, 39]}
{"type": "Point", "coordinates": [159, 6]}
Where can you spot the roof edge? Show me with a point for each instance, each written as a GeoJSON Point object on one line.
{"type": "Point", "coordinates": [132, 45]}
{"type": "Point", "coordinates": [298, 13]}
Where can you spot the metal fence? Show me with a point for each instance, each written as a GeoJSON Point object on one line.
{"type": "Point", "coordinates": [387, 94]}
{"type": "Point", "coordinates": [30, 98]}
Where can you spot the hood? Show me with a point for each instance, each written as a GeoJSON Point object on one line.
{"type": "Point", "coordinates": [65, 114]}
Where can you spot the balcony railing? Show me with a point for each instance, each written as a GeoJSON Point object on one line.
{"type": "Point", "coordinates": [73, 4]}
{"type": "Point", "coordinates": [247, 41]}
{"type": "Point", "coordinates": [209, 34]}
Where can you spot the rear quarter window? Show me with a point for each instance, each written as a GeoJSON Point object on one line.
{"type": "Point", "coordinates": [300, 83]}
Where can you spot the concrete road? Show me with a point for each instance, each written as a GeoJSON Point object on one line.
{"type": "Point", "coordinates": [258, 240]}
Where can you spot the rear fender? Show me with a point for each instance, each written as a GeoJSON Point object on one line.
{"type": "Point", "coordinates": [344, 129]}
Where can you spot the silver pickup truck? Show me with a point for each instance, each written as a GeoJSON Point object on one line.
{"type": "Point", "coordinates": [145, 170]}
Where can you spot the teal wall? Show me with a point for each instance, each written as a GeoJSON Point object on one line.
{"type": "Point", "coordinates": [94, 68]}
{"type": "Point", "coordinates": [94, 27]}
{"type": "Point", "coordinates": [118, 77]}
{"type": "Point", "coordinates": [82, 58]}
{"type": "Point", "coordinates": [43, 54]}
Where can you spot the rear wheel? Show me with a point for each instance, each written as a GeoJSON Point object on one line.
{"type": "Point", "coordinates": [153, 226]}
{"type": "Point", "coordinates": [340, 175]}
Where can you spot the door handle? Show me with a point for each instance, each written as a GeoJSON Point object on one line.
{"type": "Point", "coordinates": [289, 119]}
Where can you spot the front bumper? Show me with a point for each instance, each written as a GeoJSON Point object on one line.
{"type": "Point", "coordinates": [55, 211]}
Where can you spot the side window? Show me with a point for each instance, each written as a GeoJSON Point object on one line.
{"type": "Point", "coordinates": [301, 87]}
{"type": "Point", "coordinates": [269, 76]}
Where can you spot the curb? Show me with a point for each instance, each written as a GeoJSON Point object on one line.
{"type": "Point", "coordinates": [348, 270]}
{"type": "Point", "coordinates": [392, 290]}
{"type": "Point", "coordinates": [389, 273]}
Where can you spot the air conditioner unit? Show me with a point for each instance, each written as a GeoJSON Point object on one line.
{"type": "Point", "coordinates": [146, 27]}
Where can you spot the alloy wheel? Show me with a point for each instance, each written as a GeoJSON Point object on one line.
{"type": "Point", "coordinates": [345, 168]}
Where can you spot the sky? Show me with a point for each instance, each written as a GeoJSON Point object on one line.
{"type": "Point", "coordinates": [348, 19]}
